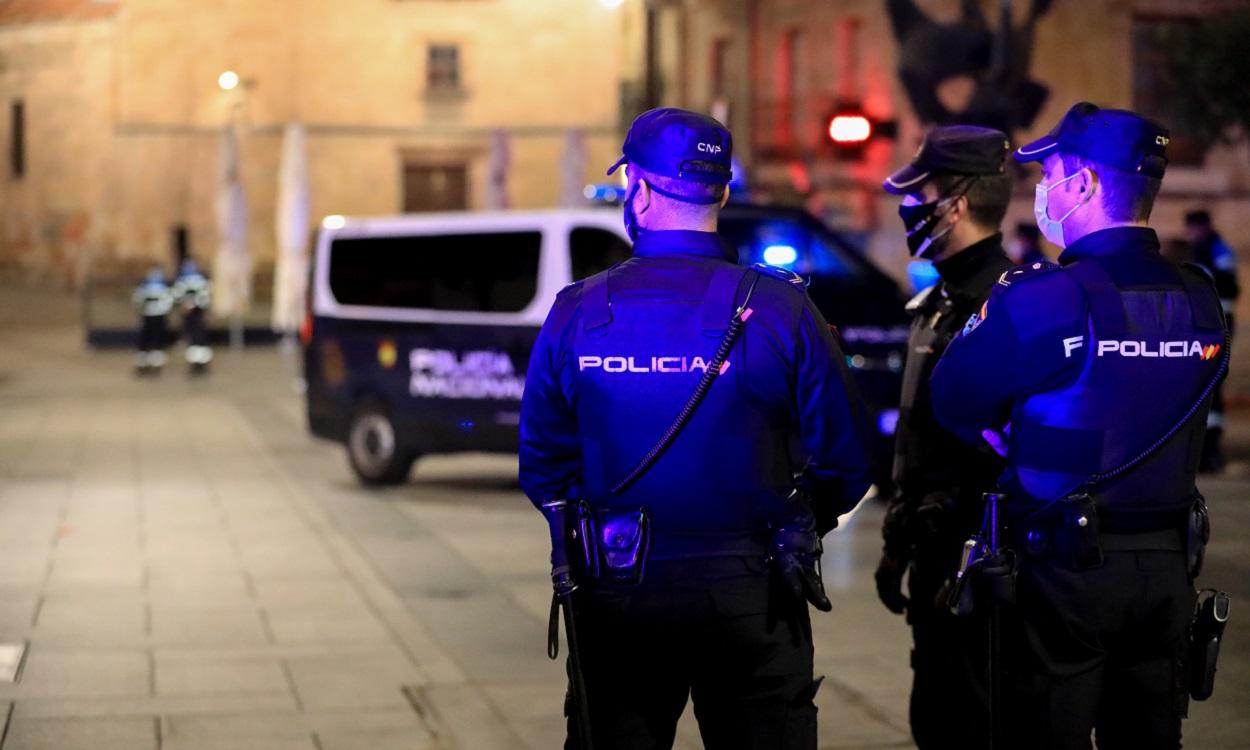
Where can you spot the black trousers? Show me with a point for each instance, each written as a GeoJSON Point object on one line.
{"type": "Point", "coordinates": [949, 694]}
{"type": "Point", "coordinates": [1098, 651]}
{"type": "Point", "coordinates": [714, 630]}
{"type": "Point", "coordinates": [152, 333]}
{"type": "Point", "coordinates": [193, 327]}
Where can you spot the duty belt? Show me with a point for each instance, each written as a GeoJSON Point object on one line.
{"type": "Point", "coordinates": [1071, 546]}
{"type": "Point", "coordinates": [677, 546]}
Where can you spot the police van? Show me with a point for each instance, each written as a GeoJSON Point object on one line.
{"type": "Point", "coordinates": [420, 326]}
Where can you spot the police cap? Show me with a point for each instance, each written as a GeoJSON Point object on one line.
{"type": "Point", "coordinates": [1115, 137]}
{"type": "Point", "coordinates": [952, 149]}
{"type": "Point", "coordinates": [680, 144]}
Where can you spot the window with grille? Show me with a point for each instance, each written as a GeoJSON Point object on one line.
{"type": "Point", "coordinates": [442, 67]}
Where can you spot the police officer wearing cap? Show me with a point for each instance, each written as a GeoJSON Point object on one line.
{"type": "Point", "coordinates": [711, 605]}
{"type": "Point", "coordinates": [955, 194]}
{"type": "Point", "coordinates": [1209, 250]}
{"type": "Point", "coordinates": [1094, 377]}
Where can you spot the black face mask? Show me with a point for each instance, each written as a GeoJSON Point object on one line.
{"type": "Point", "coordinates": [632, 228]}
{"type": "Point", "coordinates": [920, 221]}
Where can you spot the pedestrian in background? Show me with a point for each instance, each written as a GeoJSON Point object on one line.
{"type": "Point", "coordinates": [153, 300]}
{"type": "Point", "coordinates": [1026, 247]}
{"type": "Point", "coordinates": [193, 294]}
{"type": "Point", "coordinates": [1209, 250]}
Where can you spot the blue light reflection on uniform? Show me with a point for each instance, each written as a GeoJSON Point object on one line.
{"type": "Point", "coordinates": [922, 275]}
{"type": "Point", "coordinates": [887, 421]}
{"type": "Point", "coordinates": [780, 255]}
{"type": "Point", "coordinates": [466, 424]}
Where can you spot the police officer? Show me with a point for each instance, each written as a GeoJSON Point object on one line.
{"type": "Point", "coordinates": [1094, 376]}
{"type": "Point", "coordinates": [193, 294]}
{"type": "Point", "coordinates": [153, 300]}
{"type": "Point", "coordinates": [955, 194]}
{"type": "Point", "coordinates": [618, 357]}
{"type": "Point", "coordinates": [1209, 250]}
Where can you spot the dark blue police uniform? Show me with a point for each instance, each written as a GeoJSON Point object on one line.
{"type": "Point", "coordinates": [1088, 363]}
{"type": "Point", "coordinates": [616, 360]}
{"type": "Point", "coordinates": [939, 478]}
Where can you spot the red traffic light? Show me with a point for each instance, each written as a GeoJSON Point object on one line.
{"type": "Point", "coordinates": [849, 129]}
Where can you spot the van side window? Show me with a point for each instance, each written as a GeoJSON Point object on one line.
{"type": "Point", "coordinates": [488, 272]}
{"type": "Point", "coordinates": [593, 250]}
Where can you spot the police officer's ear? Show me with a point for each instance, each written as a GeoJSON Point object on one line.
{"type": "Point", "coordinates": [1086, 185]}
{"type": "Point", "coordinates": [958, 208]}
{"type": "Point", "coordinates": [642, 196]}
{"type": "Point", "coordinates": [724, 198]}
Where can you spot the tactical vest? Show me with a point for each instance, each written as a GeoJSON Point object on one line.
{"type": "Point", "coordinates": [1148, 356]}
{"type": "Point", "coordinates": [926, 456]}
{"type": "Point", "coordinates": [635, 361]}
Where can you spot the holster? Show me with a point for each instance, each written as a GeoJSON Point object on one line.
{"type": "Point", "coordinates": [613, 545]}
{"type": "Point", "coordinates": [1206, 632]}
{"type": "Point", "coordinates": [1081, 532]}
{"type": "Point", "coordinates": [585, 542]}
{"type": "Point", "coordinates": [959, 593]}
{"type": "Point", "coordinates": [980, 579]}
{"type": "Point", "coordinates": [1071, 535]}
{"type": "Point", "coordinates": [1197, 535]}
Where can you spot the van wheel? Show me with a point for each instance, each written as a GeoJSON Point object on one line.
{"type": "Point", "coordinates": [374, 449]}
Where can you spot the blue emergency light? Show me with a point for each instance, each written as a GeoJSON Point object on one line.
{"type": "Point", "coordinates": [780, 255]}
{"type": "Point", "coordinates": [604, 194]}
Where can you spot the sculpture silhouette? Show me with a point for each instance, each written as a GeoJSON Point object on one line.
{"type": "Point", "coordinates": [998, 61]}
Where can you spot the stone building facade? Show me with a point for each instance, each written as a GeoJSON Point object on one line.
{"type": "Point", "coordinates": [120, 111]}
{"type": "Point", "coordinates": [779, 67]}
{"type": "Point", "coordinates": [114, 112]}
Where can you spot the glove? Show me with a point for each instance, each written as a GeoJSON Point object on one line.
{"type": "Point", "coordinates": [896, 529]}
{"type": "Point", "coordinates": [996, 578]}
{"type": "Point", "coordinates": [889, 577]}
{"type": "Point", "coordinates": [796, 551]}
{"type": "Point", "coordinates": [932, 517]}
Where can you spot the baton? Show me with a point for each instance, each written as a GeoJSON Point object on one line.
{"type": "Point", "coordinates": [563, 586]}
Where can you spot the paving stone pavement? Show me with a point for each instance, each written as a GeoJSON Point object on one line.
{"type": "Point", "coordinates": [191, 570]}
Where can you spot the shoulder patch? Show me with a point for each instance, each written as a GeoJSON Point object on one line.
{"type": "Point", "coordinates": [916, 302]}
{"type": "Point", "coordinates": [783, 274]}
{"type": "Point", "coordinates": [1024, 273]}
{"type": "Point", "coordinates": [975, 319]}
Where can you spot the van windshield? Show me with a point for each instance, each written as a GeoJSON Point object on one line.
{"type": "Point", "coordinates": [480, 272]}
{"type": "Point", "coordinates": [788, 242]}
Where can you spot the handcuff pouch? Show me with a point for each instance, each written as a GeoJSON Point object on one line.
{"type": "Point", "coordinates": [624, 539]}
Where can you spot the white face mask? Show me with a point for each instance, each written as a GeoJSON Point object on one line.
{"type": "Point", "coordinates": [1051, 229]}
